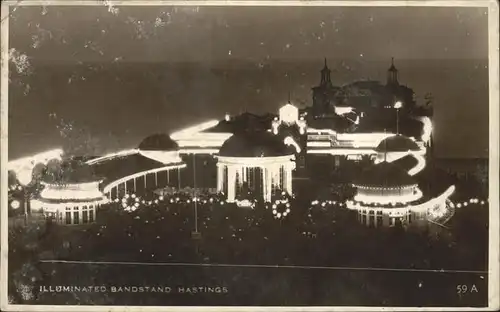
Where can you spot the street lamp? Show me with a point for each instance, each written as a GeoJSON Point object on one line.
{"type": "Point", "coordinates": [397, 106]}
{"type": "Point", "coordinates": [195, 234]}
{"type": "Point", "coordinates": [24, 177]}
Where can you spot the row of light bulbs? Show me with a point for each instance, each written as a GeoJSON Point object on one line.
{"type": "Point", "coordinates": [467, 202]}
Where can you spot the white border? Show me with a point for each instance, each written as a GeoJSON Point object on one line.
{"type": "Point", "coordinates": [493, 147]}
{"type": "Point", "coordinates": [356, 3]}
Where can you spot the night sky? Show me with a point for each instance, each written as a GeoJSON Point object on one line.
{"type": "Point", "coordinates": [119, 74]}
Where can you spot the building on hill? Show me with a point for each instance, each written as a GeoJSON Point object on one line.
{"type": "Point", "coordinates": [365, 96]}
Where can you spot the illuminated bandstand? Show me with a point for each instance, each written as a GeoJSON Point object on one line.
{"type": "Point", "coordinates": [72, 197]}
{"type": "Point", "coordinates": [260, 160]}
{"type": "Point", "coordinates": [384, 193]}
{"type": "Point", "coordinates": [388, 196]}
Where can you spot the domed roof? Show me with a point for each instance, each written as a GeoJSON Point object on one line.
{"type": "Point", "coordinates": [254, 144]}
{"type": "Point", "coordinates": [158, 142]}
{"type": "Point", "coordinates": [384, 174]}
{"type": "Point", "coordinates": [397, 143]}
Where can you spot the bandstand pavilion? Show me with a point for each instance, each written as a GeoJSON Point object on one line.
{"type": "Point", "coordinates": [387, 195]}
{"type": "Point", "coordinates": [260, 160]}
{"type": "Point", "coordinates": [72, 197]}
{"type": "Point", "coordinates": [383, 194]}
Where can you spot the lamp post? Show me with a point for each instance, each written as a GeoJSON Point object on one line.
{"type": "Point", "coordinates": [397, 106]}
{"type": "Point", "coordinates": [24, 177]}
{"type": "Point", "coordinates": [195, 234]}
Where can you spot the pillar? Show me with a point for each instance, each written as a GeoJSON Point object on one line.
{"type": "Point", "coordinates": [244, 174]}
{"type": "Point", "coordinates": [385, 219]}
{"type": "Point", "coordinates": [268, 184]}
{"type": "Point", "coordinates": [135, 185]}
{"type": "Point", "coordinates": [156, 178]}
{"type": "Point", "coordinates": [275, 174]}
{"type": "Point", "coordinates": [179, 178]}
{"type": "Point", "coordinates": [145, 178]}
{"type": "Point", "coordinates": [288, 178]}
{"type": "Point", "coordinates": [264, 182]}
{"type": "Point", "coordinates": [231, 182]}
{"type": "Point", "coordinates": [220, 178]}
{"type": "Point", "coordinates": [253, 177]}
{"type": "Point", "coordinates": [125, 186]}
{"type": "Point", "coordinates": [239, 175]}
{"type": "Point", "coordinates": [248, 173]}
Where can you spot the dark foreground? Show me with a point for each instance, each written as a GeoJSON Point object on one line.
{"type": "Point", "coordinates": [318, 257]}
{"type": "Point", "coordinates": [261, 286]}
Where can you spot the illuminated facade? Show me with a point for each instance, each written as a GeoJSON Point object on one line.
{"type": "Point", "coordinates": [387, 196]}
{"type": "Point", "coordinates": [265, 153]}
{"type": "Point", "coordinates": [70, 203]}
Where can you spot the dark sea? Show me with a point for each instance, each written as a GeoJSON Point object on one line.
{"type": "Point", "coordinates": [115, 105]}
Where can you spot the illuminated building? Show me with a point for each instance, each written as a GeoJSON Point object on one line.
{"type": "Point", "coordinates": [364, 96]}
{"type": "Point", "coordinates": [155, 163]}
{"type": "Point", "coordinates": [74, 203]}
{"type": "Point", "coordinates": [363, 122]}
{"type": "Point", "coordinates": [70, 194]}
{"type": "Point", "coordinates": [386, 195]}
{"type": "Point", "coordinates": [258, 159]}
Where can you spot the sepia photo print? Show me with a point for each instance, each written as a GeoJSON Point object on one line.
{"type": "Point", "coordinates": [259, 154]}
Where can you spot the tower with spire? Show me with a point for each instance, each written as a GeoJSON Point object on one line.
{"type": "Point", "coordinates": [323, 93]}
{"type": "Point", "coordinates": [392, 75]}
{"type": "Point", "coordinates": [325, 76]}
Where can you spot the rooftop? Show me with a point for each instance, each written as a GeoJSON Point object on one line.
{"type": "Point", "coordinates": [397, 143]}
{"type": "Point", "coordinates": [158, 142]}
{"type": "Point", "coordinates": [384, 174]}
{"type": "Point", "coordinates": [121, 167]}
{"type": "Point", "coordinates": [242, 123]}
{"type": "Point", "coordinates": [69, 172]}
{"type": "Point", "coordinates": [254, 144]}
